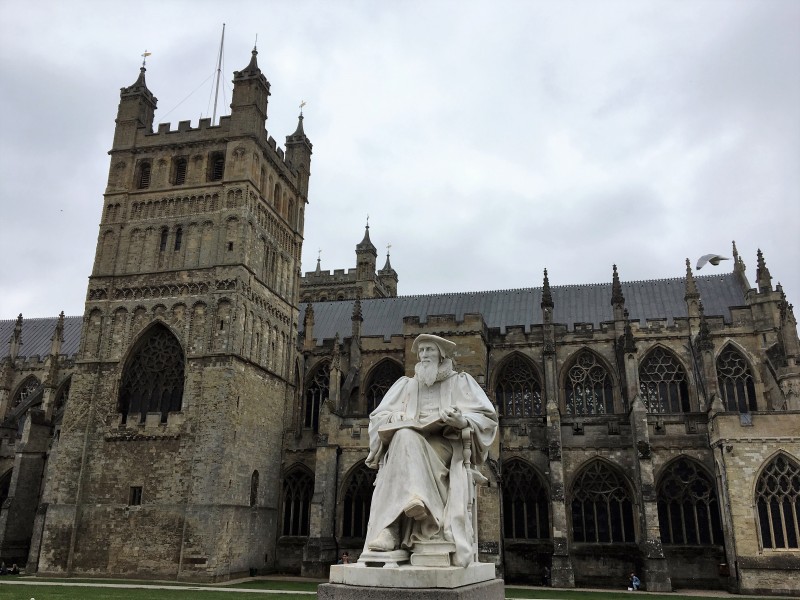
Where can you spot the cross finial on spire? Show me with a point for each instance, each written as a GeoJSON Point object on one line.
{"type": "Point", "coordinates": [388, 249]}
{"type": "Point", "coordinates": [367, 220]}
{"type": "Point", "coordinates": [319, 254]}
{"type": "Point", "coordinates": [145, 54]}
{"type": "Point", "coordinates": [255, 44]}
{"type": "Point", "coordinates": [302, 104]}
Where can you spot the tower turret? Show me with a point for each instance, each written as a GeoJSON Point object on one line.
{"type": "Point", "coordinates": [388, 277]}
{"type": "Point", "coordinates": [298, 152]}
{"type": "Point", "coordinates": [250, 98]}
{"type": "Point", "coordinates": [366, 258]}
{"type": "Point", "coordinates": [137, 106]}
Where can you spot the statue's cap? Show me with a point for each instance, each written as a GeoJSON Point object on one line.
{"type": "Point", "coordinates": [446, 347]}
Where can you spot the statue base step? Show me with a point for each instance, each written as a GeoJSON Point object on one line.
{"type": "Point", "coordinates": [409, 576]}
{"type": "Point", "coordinates": [485, 590]}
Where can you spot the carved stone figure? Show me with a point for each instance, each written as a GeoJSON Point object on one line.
{"type": "Point", "coordinates": [424, 437]}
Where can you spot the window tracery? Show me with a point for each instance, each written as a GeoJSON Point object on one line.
{"type": "Point", "coordinates": [688, 510]}
{"type": "Point", "coordinates": [381, 379]}
{"type": "Point", "coordinates": [736, 383]}
{"type": "Point", "coordinates": [526, 512]}
{"type": "Point", "coordinates": [588, 387]}
{"type": "Point", "coordinates": [663, 384]}
{"type": "Point", "coordinates": [602, 509]}
{"type": "Point", "coordinates": [26, 389]}
{"type": "Point", "coordinates": [153, 378]}
{"type": "Point", "coordinates": [778, 503]}
{"type": "Point", "coordinates": [316, 394]}
{"type": "Point", "coordinates": [298, 487]}
{"type": "Point", "coordinates": [518, 392]}
{"type": "Point", "coordinates": [357, 502]}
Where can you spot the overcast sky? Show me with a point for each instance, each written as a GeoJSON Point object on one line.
{"type": "Point", "coordinates": [486, 140]}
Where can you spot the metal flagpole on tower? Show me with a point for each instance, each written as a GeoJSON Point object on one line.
{"type": "Point", "coordinates": [219, 71]}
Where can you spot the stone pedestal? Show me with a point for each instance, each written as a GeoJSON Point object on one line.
{"type": "Point", "coordinates": [486, 590]}
{"type": "Point", "coordinates": [410, 582]}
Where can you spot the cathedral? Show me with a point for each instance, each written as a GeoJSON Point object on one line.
{"type": "Point", "coordinates": [206, 417]}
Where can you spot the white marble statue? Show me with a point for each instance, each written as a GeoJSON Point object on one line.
{"type": "Point", "coordinates": [423, 438]}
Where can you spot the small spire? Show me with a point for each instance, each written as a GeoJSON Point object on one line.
{"type": "Point", "coordinates": [357, 316]}
{"type": "Point", "coordinates": [547, 296]}
{"type": "Point", "coordinates": [251, 69]}
{"type": "Point", "coordinates": [691, 285]}
{"type": "Point", "coordinates": [319, 259]}
{"type": "Point", "coordinates": [763, 277]}
{"type": "Point", "coordinates": [616, 290]}
{"type": "Point", "coordinates": [366, 243]}
{"type": "Point", "coordinates": [704, 335]}
{"type": "Point", "coordinates": [16, 339]}
{"type": "Point", "coordinates": [735, 252]}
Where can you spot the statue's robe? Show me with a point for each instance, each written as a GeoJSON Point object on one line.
{"type": "Point", "coordinates": [428, 465]}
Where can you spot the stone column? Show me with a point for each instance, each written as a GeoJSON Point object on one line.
{"type": "Point", "coordinates": [321, 549]}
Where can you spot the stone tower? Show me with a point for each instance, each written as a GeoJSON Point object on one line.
{"type": "Point", "coordinates": [168, 460]}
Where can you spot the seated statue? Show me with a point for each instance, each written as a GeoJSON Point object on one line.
{"type": "Point", "coordinates": [422, 437]}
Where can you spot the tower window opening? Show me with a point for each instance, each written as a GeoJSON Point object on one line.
{"type": "Point", "coordinates": [217, 167]}
{"type": "Point", "coordinates": [178, 238]}
{"type": "Point", "coordinates": [163, 244]}
{"type": "Point", "coordinates": [144, 176]}
{"type": "Point", "coordinates": [135, 496]}
{"type": "Point", "coordinates": [230, 246]}
{"type": "Point", "coordinates": [180, 171]}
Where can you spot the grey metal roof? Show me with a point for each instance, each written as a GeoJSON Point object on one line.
{"type": "Point", "coordinates": [652, 299]}
{"type": "Point", "coordinates": [37, 333]}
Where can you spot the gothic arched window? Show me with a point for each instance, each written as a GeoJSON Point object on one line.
{"type": "Point", "coordinates": [735, 381]}
{"type": "Point", "coordinates": [602, 509]}
{"type": "Point", "coordinates": [26, 389]}
{"type": "Point", "coordinates": [62, 396]}
{"type": "Point", "coordinates": [688, 510]}
{"type": "Point", "coordinates": [588, 389]}
{"type": "Point", "coordinates": [180, 171]}
{"type": "Point", "coordinates": [518, 391]}
{"type": "Point", "coordinates": [357, 502]}
{"type": "Point", "coordinates": [662, 383]}
{"type": "Point", "coordinates": [380, 380]}
{"type": "Point", "coordinates": [526, 512]}
{"type": "Point", "coordinates": [298, 487]}
{"type": "Point", "coordinates": [153, 378]}
{"type": "Point", "coordinates": [778, 502]}
{"type": "Point", "coordinates": [143, 181]}
{"type": "Point", "coordinates": [316, 394]}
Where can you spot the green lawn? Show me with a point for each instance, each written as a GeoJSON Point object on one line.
{"type": "Point", "coordinates": [181, 591]}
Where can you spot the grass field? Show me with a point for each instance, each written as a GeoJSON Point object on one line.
{"type": "Point", "coordinates": [283, 591]}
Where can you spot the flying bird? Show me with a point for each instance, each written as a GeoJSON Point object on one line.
{"type": "Point", "coordinates": [710, 258]}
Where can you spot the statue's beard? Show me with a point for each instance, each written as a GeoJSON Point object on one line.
{"type": "Point", "coordinates": [429, 373]}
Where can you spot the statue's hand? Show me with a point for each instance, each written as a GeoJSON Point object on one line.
{"type": "Point", "coordinates": [454, 418]}
{"type": "Point", "coordinates": [395, 417]}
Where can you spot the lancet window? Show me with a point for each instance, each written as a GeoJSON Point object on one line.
{"type": "Point", "coordinates": [216, 168]}
{"type": "Point", "coordinates": [316, 394]}
{"type": "Point", "coordinates": [688, 510]}
{"type": "Point", "coordinates": [254, 488]}
{"type": "Point", "coordinates": [778, 503]}
{"type": "Point", "coordinates": [152, 381]}
{"type": "Point", "coordinates": [180, 171]}
{"type": "Point", "coordinates": [736, 383]}
{"type": "Point", "coordinates": [663, 384]}
{"type": "Point", "coordinates": [602, 509]}
{"type": "Point", "coordinates": [588, 387]}
{"type": "Point", "coordinates": [357, 502]}
{"type": "Point", "coordinates": [298, 487]}
{"type": "Point", "coordinates": [526, 512]}
{"type": "Point", "coordinates": [518, 392]}
{"type": "Point", "coordinates": [143, 181]}
{"type": "Point", "coordinates": [381, 379]}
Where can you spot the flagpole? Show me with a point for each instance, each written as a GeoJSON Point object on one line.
{"type": "Point", "coordinates": [219, 71]}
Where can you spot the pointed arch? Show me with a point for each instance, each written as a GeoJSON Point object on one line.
{"type": "Point", "coordinates": [602, 505]}
{"type": "Point", "coordinates": [736, 383]}
{"type": "Point", "coordinates": [777, 500]}
{"type": "Point", "coordinates": [153, 377]}
{"type": "Point", "coordinates": [663, 383]}
{"type": "Point", "coordinates": [688, 508]}
{"type": "Point", "coordinates": [526, 502]}
{"type": "Point", "coordinates": [62, 395]}
{"type": "Point", "coordinates": [382, 376]}
{"type": "Point", "coordinates": [357, 501]}
{"type": "Point", "coordinates": [518, 387]}
{"type": "Point", "coordinates": [316, 393]}
{"type": "Point", "coordinates": [28, 386]}
{"type": "Point", "coordinates": [588, 385]}
{"type": "Point", "coordinates": [298, 488]}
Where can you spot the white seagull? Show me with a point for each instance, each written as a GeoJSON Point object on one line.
{"type": "Point", "coordinates": [710, 258]}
